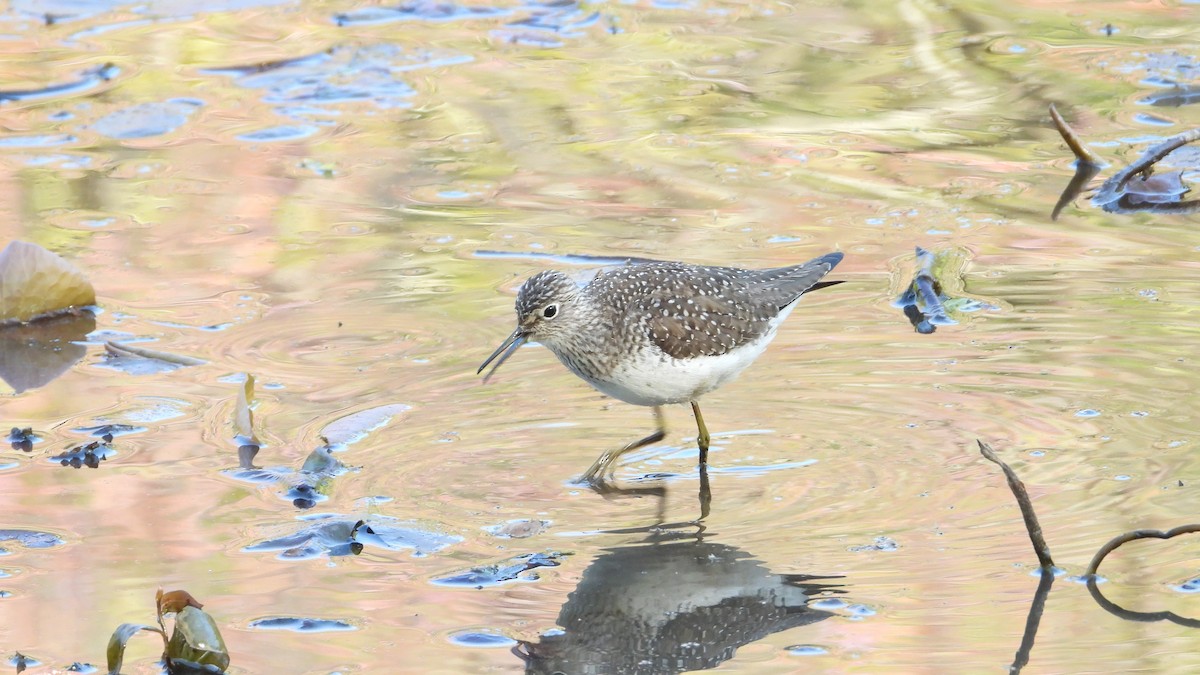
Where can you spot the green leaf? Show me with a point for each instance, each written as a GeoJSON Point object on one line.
{"type": "Point", "coordinates": [116, 643]}
{"type": "Point", "coordinates": [197, 639]}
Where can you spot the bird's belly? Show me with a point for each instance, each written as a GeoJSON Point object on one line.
{"type": "Point", "coordinates": [657, 379]}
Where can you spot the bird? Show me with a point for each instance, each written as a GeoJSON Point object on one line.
{"type": "Point", "coordinates": [658, 333]}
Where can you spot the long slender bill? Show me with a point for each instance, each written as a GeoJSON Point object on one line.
{"type": "Point", "coordinates": [504, 351]}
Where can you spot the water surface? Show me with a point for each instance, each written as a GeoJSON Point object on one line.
{"type": "Point", "coordinates": [313, 193]}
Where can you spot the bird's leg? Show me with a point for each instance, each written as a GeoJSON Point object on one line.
{"type": "Point", "coordinates": [705, 493]}
{"type": "Point", "coordinates": [702, 437]}
{"type": "Point", "coordinates": [601, 469]}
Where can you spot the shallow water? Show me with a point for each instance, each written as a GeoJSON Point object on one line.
{"type": "Point", "coordinates": [341, 199]}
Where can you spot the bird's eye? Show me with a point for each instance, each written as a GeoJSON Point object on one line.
{"type": "Point", "coordinates": [550, 311]}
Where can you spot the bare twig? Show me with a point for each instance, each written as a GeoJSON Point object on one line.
{"type": "Point", "coordinates": [127, 350]}
{"type": "Point", "coordinates": [1031, 522]}
{"type": "Point", "coordinates": [1084, 155]}
{"type": "Point", "coordinates": [1117, 542]}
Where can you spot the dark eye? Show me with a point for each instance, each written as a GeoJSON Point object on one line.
{"type": "Point", "coordinates": [550, 311]}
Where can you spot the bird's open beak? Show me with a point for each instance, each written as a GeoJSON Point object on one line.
{"type": "Point", "coordinates": [504, 351]}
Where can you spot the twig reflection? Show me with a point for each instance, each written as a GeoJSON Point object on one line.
{"type": "Point", "coordinates": [1132, 615]}
{"type": "Point", "coordinates": [1128, 614]}
{"type": "Point", "coordinates": [1032, 621]}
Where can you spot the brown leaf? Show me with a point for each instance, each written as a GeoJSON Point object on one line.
{"type": "Point", "coordinates": [35, 283]}
{"type": "Point", "coordinates": [175, 601]}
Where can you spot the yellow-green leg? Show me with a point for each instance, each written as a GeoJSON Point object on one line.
{"type": "Point", "coordinates": [601, 470]}
{"type": "Point", "coordinates": [702, 437]}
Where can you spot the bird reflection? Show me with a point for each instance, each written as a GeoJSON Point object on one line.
{"type": "Point", "coordinates": [658, 490]}
{"type": "Point", "coordinates": [668, 606]}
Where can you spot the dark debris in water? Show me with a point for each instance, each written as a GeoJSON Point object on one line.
{"type": "Point", "coordinates": [880, 543]}
{"type": "Point", "coordinates": [87, 80]}
{"type": "Point", "coordinates": [78, 667]}
{"type": "Point", "coordinates": [307, 486]}
{"type": "Point", "coordinates": [22, 662]}
{"type": "Point", "coordinates": [518, 529]}
{"type": "Point", "coordinates": [31, 538]}
{"type": "Point", "coordinates": [1174, 97]}
{"type": "Point", "coordinates": [519, 568]}
{"type": "Point", "coordinates": [333, 535]}
{"type": "Point", "coordinates": [925, 302]}
{"type": "Point", "coordinates": [301, 624]}
{"type": "Point", "coordinates": [109, 431]}
{"type": "Point", "coordinates": [1134, 188]}
{"type": "Point", "coordinates": [88, 454]}
{"type": "Point", "coordinates": [418, 10]}
{"type": "Point", "coordinates": [304, 87]}
{"type": "Point", "coordinates": [22, 439]}
{"type": "Point", "coordinates": [477, 638]}
{"type": "Point", "coordinates": [1189, 586]}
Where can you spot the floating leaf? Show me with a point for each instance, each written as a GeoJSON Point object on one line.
{"type": "Point", "coordinates": [36, 283]}
{"type": "Point", "coordinates": [116, 643]}
{"type": "Point", "coordinates": [243, 416]}
{"type": "Point", "coordinates": [197, 639]}
{"type": "Point", "coordinates": [517, 569]}
{"type": "Point", "coordinates": [329, 534]}
{"type": "Point", "coordinates": [355, 426]}
{"type": "Point", "coordinates": [1160, 188]}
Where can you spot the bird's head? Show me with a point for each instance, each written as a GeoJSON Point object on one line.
{"type": "Point", "coordinates": [546, 305]}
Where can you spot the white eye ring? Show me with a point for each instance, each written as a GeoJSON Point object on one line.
{"type": "Point", "coordinates": [550, 311]}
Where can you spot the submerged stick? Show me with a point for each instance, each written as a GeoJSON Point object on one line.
{"type": "Point", "coordinates": [1031, 522]}
{"type": "Point", "coordinates": [1113, 189]}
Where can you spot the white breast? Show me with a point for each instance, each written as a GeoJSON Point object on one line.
{"type": "Point", "coordinates": [657, 379]}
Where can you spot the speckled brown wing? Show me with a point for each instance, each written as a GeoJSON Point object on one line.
{"type": "Point", "coordinates": [690, 311]}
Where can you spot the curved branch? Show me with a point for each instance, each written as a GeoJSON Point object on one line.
{"type": "Point", "coordinates": [1117, 542]}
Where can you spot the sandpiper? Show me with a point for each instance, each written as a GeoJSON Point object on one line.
{"type": "Point", "coordinates": [654, 333]}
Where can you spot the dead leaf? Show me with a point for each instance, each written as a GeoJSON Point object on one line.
{"type": "Point", "coordinates": [175, 601]}
{"type": "Point", "coordinates": [36, 283]}
{"type": "Point", "coordinates": [243, 416]}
